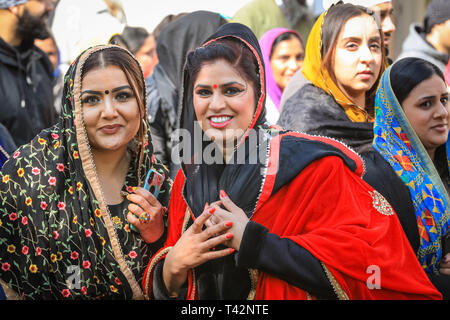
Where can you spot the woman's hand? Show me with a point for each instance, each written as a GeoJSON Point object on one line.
{"type": "Point", "coordinates": [193, 249]}
{"type": "Point", "coordinates": [445, 265]}
{"type": "Point", "coordinates": [232, 214]}
{"type": "Point", "coordinates": [143, 201]}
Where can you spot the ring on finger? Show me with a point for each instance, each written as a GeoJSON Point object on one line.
{"type": "Point", "coordinates": [144, 217]}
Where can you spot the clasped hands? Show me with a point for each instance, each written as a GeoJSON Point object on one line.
{"type": "Point", "coordinates": [224, 226]}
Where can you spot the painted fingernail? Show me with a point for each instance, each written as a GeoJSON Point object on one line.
{"type": "Point", "coordinates": [223, 194]}
{"type": "Point", "coordinates": [229, 224]}
{"type": "Point", "coordinates": [212, 210]}
{"type": "Point", "coordinates": [231, 250]}
{"type": "Point", "coordinates": [229, 235]}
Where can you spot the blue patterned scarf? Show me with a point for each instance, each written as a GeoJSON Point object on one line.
{"type": "Point", "coordinates": [399, 145]}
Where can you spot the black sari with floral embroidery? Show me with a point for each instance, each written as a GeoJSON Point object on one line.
{"type": "Point", "coordinates": [58, 237]}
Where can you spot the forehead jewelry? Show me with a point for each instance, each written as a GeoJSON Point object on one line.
{"type": "Point", "coordinates": [106, 91]}
{"type": "Point", "coordinates": [215, 86]}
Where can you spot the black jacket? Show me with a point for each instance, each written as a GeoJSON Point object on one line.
{"type": "Point", "coordinates": [380, 175]}
{"type": "Point", "coordinates": [311, 110]}
{"type": "Point", "coordinates": [26, 91]}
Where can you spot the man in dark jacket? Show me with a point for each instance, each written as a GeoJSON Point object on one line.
{"type": "Point", "coordinates": [430, 41]}
{"type": "Point", "coordinates": [26, 98]}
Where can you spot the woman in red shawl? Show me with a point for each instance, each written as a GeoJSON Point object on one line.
{"type": "Point", "coordinates": [258, 212]}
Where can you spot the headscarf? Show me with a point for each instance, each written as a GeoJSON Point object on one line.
{"type": "Point", "coordinates": [174, 42]}
{"type": "Point", "coordinates": [266, 43]}
{"type": "Point", "coordinates": [397, 142]}
{"type": "Point", "coordinates": [55, 225]}
{"type": "Point", "coordinates": [319, 76]}
{"type": "Point", "coordinates": [243, 178]}
{"type": "Point", "coordinates": [252, 187]}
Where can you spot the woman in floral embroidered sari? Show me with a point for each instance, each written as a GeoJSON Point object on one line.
{"type": "Point", "coordinates": [408, 163]}
{"type": "Point", "coordinates": [64, 222]}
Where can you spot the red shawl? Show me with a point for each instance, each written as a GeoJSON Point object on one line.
{"type": "Point", "coordinates": [356, 236]}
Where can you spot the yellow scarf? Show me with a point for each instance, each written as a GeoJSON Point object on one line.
{"type": "Point", "coordinates": [313, 71]}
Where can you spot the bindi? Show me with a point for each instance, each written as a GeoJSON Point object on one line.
{"type": "Point", "coordinates": [106, 91]}
{"type": "Point", "coordinates": [215, 86]}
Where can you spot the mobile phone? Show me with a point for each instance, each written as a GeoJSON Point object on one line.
{"type": "Point", "coordinates": [445, 243]}
{"type": "Point", "coordinates": [153, 183]}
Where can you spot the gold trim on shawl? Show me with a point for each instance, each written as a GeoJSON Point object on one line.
{"type": "Point", "coordinates": [154, 261]}
{"type": "Point", "coordinates": [90, 172]}
{"type": "Point", "coordinates": [340, 293]}
{"type": "Point", "coordinates": [9, 292]}
{"type": "Point", "coordinates": [254, 276]}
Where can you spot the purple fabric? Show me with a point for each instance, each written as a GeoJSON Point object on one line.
{"type": "Point", "coordinates": [266, 42]}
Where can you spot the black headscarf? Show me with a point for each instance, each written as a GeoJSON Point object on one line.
{"type": "Point", "coordinates": [243, 179]}
{"type": "Point", "coordinates": [174, 42]}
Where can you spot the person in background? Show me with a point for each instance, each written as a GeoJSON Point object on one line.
{"type": "Point", "coordinates": [408, 163]}
{"type": "Point", "coordinates": [26, 75]}
{"type": "Point", "coordinates": [430, 41]}
{"type": "Point", "coordinates": [298, 223]}
{"type": "Point", "coordinates": [343, 64]}
{"type": "Point", "coordinates": [48, 45]}
{"type": "Point", "coordinates": [163, 86]}
{"type": "Point", "coordinates": [165, 21]}
{"type": "Point", "coordinates": [140, 43]}
{"type": "Point", "coordinates": [264, 15]}
{"type": "Point", "coordinates": [283, 53]}
{"type": "Point", "coordinates": [383, 11]}
{"type": "Point", "coordinates": [80, 24]}
{"type": "Point", "coordinates": [71, 195]}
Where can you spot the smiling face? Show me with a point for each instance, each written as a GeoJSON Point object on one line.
{"type": "Point", "coordinates": [224, 101]}
{"type": "Point", "coordinates": [357, 57]}
{"type": "Point", "coordinates": [287, 58]}
{"type": "Point", "coordinates": [110, 109]}
{"type": "Point", "coordinates": [427, 109]}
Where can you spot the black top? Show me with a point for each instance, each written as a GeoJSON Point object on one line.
{"type": "Point", "coordinates": [26, 91]}
{"type": "Point", "coordinates": [313, 111]}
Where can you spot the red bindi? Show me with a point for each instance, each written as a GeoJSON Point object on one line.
{"type": "Point", "coordinates": [215, 86]}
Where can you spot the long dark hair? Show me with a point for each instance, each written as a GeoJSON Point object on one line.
{"type": "Point", "coordinates": [405, 75]}
{"type": "Point", "coordinates": [408, 73]}
{"type": "Point", "coordinates": [335, 19]}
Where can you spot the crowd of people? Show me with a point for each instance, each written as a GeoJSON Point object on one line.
{"type": "Point", "coordinates": [273, 155]}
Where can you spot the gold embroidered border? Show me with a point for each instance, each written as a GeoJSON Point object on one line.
{"type": "Point", "coordinates": [152, 265]}
{"type": "Point", "coordinates": [254, 275]}
{"type": "Point", "coordinates": [91, 175]}
{"type": "Point", "coordinates": [9, 292]}
{"type": "Point", "coordinates": [336, 286]}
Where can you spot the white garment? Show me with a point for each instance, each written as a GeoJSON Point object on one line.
{"type": "Point", "coordinates": [272, 113]}
{"type": "Point", "coordinates": [80, 24]}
